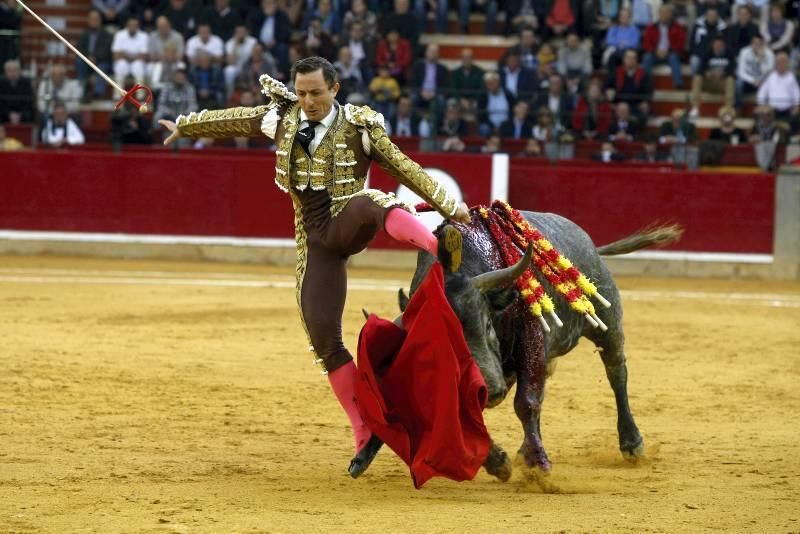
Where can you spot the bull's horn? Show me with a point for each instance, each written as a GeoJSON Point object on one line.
{"type": "Point", "coordinates": [503, 277]}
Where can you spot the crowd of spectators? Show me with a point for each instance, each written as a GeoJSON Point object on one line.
{"type": "Point", "coordinates": [578, 70]}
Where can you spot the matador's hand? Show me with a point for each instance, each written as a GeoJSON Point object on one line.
{"type": "Point", "coordinates": [173, 129]}
{"type": "Point", "coordinates": [462, 214]}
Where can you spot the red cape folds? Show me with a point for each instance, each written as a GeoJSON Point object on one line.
{"type": "Point", "coordinates": [420, 391]}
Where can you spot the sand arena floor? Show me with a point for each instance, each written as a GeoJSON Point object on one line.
{"type": "Point", "coordinates": [169, 397]}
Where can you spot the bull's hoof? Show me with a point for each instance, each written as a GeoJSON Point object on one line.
{"type": "Point", "coordinates": [633, 453]}
{"type": "Point", "coordinates": [364, 457]}
{"type": "Point", "coordinates": [498, 464]}
{"type": "Point", "coordinates": [536, 475]}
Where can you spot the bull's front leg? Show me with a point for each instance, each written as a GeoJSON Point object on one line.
{"type": "Point", "coordinates": [497, 463]}
{"type": "Point", "coordinates": [531, 375]}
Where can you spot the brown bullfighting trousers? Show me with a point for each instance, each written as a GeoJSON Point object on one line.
{"type": "Point", "coordinates": [331, 241]}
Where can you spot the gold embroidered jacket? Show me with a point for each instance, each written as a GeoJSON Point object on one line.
{"type": "Point", "coordinates": [341, 160]}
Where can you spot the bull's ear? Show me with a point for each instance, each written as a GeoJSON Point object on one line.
{"type": "Point", "coordinates": [450, 248]}
{"type": "Point", "coordinates": [402, 299]}
{"type": "Point", "coordinates": [501, 298]}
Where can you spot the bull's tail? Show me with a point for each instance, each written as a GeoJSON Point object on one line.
{"type": "Point", "coordinates": [655, 234]}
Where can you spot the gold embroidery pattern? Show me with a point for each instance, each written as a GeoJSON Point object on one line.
{"type": "Point", "coordinates": [285, 148]}
{"type": "Point", "coordinates": [384, 200]}
{"type": "Point", "coordinates": [301, 243]}
{"type": "Point", "coordinates": [222, 123]}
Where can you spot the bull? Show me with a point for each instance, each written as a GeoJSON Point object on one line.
{"type": "Point", "coordinates": [509, 349]}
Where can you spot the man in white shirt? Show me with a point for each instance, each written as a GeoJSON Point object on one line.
{"type": "Point", "coordinates": [754, 64]}
{"type": "Point", "coordinates": [130, 51]}
{"type": "Point", "coordinates": [58, 88]}
{"type": "Point", "coordinates": [238, 50]}
{"type": "Point", "coordinates": [780, 90]}
{"type": "Point", "coordinates": [208, 43]}
{"type": "Point", "coordinates": [60, 130]}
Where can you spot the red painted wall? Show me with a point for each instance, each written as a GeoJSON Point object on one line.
{"type": "Point", "coordinates": [720, 212]}
{"type": "Point", "coordinates": [226, 193]}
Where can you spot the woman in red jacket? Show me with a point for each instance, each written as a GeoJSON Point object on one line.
{"type": "Point", "coordinates": [394, 52]}
{"type": "Point", "coordinates": [592, 113]}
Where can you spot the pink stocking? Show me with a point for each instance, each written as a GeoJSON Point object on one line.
{"type": "Point", "coordinates": [403, 226]}
{"type": "Point", "coordinates": [343, 382]}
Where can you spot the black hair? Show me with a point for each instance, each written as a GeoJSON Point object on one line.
{"type": "Point", "coordinates": [313, 64]}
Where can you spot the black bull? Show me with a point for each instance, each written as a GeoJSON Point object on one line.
{"type": "Point", "coordinates": [508, 348]}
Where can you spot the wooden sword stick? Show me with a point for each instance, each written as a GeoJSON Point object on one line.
{"type": "Point", "coordinates": [126, 95]}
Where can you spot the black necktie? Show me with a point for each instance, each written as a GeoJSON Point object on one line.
{"type": "Point", "coordinates": [306, 135]}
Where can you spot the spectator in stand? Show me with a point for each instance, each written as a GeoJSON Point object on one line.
{"type": "Point", "coordinates": [161, 73]}
{"type": "Point", "coordinates": [520, 125]}
{"type": "Point", "coordinates": [723, 8]}
{"type": "Point", "coordinates": [404, 22]}
{"type": "Point", "coordinates": [644, 12]}
{"type": "Point", "coordinates": [271, 27]}
{"type": "Point", "coordinates": [664, 41]}
{"type": "Point", "coordinates": [453, 144]}
{"type": "Point", "coordinates": [466, 7]}
{"type": "Point", "coordinates": [16, 95]}
{"type": "Point", "coordinates": [527, 49]}
{"type": "Point", "coordinates": [718, 69]}
{"type": "Point", "coordinates": [608, 153]}
{"type": "Point", "coordinates": [592, 113]}
{"type": "Point", "coordinates": [394, 52]}
{"type": "Point", "coordinates": [359, 13]}
{"type": "Point", "coordinates": [574, 60]}
{"type": "Point", "coordinates": [546, 55]}
{"type": "Point", "coordinates": [57, 88]}
{"type": "Point", "coordinates": [318, 42]}
{"type": "Point", "coordinates": [350, 80]}
{"type": "Point", "coordinates": [546, 129]}
{"type": "Point", "coordinates": [597, 17]}
{"type": "Point", "coordinates": [405, 122]}
{"type": "Point", "coordinates": [330, 20]}
{"type": "Point", "coordinates": [766, 135]}
{"type": "Point", "coordinates": [562, 17]}
{"type": "Point", "coordinates": [558, 101]}
{"type": "Point", "coordinates": [758, 9]}
{"type": "Point", "coordinates": [494, 106]}
{"type": "Point", "coordinates": [206, 42]}
{"type": "Point", "coordinates": [684, 12]}
{"type": "Point", "coordinates": [650, 152]}
{"type": "Point", "coordinates": [727, 132]}
{"type": "Point", "coordinates": [60, 130]}
{"type": "Point", "coordinates": [677, 130]}
{"type": "Point", "coordinates": [706, 29]}
{"type": "Point", "coordinates": [182, 16]}
{"type": "Point", "coordinates": [238, 51]}
{"type": "Point", "coordinates": [624, 126]}
{"type": "Point", "coordinates": [130, 51]}
{"type": "Point", "coordinates": [222, 18]}
{"type": "Point", "coordinates": [493, 145]}
{"type": "Point", "coordinates": [518, 81]}
{"type": "Point", "coordinates": [778, 31]}
{"type": "Point", "coordinates": [164, 35]}
{"type": "Point", "coordinates": [430, 80]}
{"type": "Point", "coordinates": [520, 14]}
{"type": "Point", "coordinates": [363, 48]}
{"type": "Point", "coordinates": [780, 90]}
{"type": "Point", "coordinates": [532, 149]}
{"type": "Point", "coordinates": [113, 11]}
{"type": "Point", "coordinates": [10, 21]}
{"type": "Point", "coordinates": [145, 11]}
{"type": "Point", "coordinates": [95, 44]}
{"type": "Point", "coordinates": [741, 34]}
{"type": "Point", "coordinates": [8, 144]}
{"type": "Point", "coordinates": [621, 36]}
{"type": "Point", "coordinates": [542, 77]}
{"type": "Point", "coordinates": [208, 82]}
{"type": "Point", "coordinates": [755, 63]}
{"type": "Point", "coordinates": [453, 125]}
{"type": "Point", "coordinates": [260, 62]}
{"type": "Point", "coordinates": [467, 81]}
{"type": "Point", "coordinates": [384, 91]}
{"type": "Point", "coordinates": [630, 83]}
{"type": "Point", "coordinates": [178, 98]}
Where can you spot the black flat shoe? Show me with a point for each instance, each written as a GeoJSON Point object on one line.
{"type": "Point", "coordinates": [364, 457]}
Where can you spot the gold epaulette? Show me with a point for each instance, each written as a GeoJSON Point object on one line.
{"type": "Point", "coordinates": [404, 169]}
{"type": "Point", "coordinates": [276, 91]}
{"type": "Point", "coordinates": [223, 123]}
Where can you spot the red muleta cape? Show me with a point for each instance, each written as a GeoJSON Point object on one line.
{"type": "Point", "coordinates": [420, 391]}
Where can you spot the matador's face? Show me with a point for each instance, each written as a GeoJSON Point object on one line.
{"type": "Point", "coordinates": [314, 95]}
